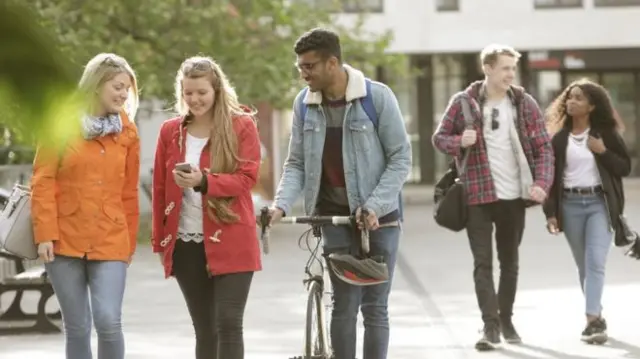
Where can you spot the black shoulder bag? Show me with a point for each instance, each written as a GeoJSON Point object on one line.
{"type": "Point", "coordinates": [450, 196]}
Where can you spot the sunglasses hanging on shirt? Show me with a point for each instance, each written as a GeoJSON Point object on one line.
{"type": "Point", "coordinates": [495, 113]}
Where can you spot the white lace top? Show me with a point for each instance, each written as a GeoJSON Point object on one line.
{"type": "Point", "coordinates": [190, 224]}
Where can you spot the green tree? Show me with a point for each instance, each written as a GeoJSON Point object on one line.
{"type": "Point", "coordinates": [45, 43]}
{"type": "Point", "coordinates": [37, 84]}
{"type": "Point", "coordinates": [252, 40]}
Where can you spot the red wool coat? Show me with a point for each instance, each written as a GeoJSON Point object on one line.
{"type": "Point", "coordinates": [230, 248]}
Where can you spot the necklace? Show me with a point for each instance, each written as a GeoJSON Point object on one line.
{"type": "Point", "coordinates": [580, 138]}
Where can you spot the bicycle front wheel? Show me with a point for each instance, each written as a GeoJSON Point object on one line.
{"type": "Point", "coordinates": [316, 344]}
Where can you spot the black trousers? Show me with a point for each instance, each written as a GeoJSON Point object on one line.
{"type": "Point", "coordinates": [509, 219]}
{"type": "Point", "coordinates": [216, 303]}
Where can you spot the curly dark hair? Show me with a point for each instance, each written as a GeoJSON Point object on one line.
{"type": "Point", "coordinates": [325, 42]}
{"type": "Point", "coordinates": [603, 116]}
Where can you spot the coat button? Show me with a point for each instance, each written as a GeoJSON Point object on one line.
{"type": "Point", "coordinates": [166, 240]}
{"type": "Point", "coordinates": [215, 238]}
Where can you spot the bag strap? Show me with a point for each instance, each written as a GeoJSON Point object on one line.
{"type": "Point", "coordinates": [368, 105]}
{"type": "Point", "coordinates": [468, 120]}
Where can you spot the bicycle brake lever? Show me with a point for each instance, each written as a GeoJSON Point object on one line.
{"type": "Point", "coordinates": [364, 232]}
{"type": "Point", "coordinates": [265, 218]}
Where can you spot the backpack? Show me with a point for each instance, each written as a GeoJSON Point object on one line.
{"type": "Point", "coordinates": [370, 109]}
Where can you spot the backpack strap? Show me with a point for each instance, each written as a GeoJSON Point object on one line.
{"type": "Point", "coordinates": [468, 122]}
{"type": "Point", "coordinates": [368, 106]}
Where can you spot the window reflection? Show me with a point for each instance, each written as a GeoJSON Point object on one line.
{"type": "Point", "coordinates": [611, 3]}
{"type": "Point", "coordinates": [448, 78]}
{"type": "Point", "coordinates": [543, 4]}
{"type": "Point", "coordinates": [447, 5]}
{"type": "Point", "coordinates": [621, 88]}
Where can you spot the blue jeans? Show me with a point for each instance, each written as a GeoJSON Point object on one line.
{"type": "Point", "coordinates": [89, 290]}
{"type": "Point", "coordinates": [371, 300]}
{"type": "Point", "coordinates": [586, 226]}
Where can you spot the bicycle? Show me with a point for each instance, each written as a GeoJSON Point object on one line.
{"type": "Point", "coordinates": [317, 344]}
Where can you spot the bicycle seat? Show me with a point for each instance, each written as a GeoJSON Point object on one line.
{"type": "Point", "coordinates": [360, 272]}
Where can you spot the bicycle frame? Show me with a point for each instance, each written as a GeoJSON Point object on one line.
{"type": "Point", "coordinates": [317, 285]}
{"type": "Point", "coordinates": [316, 347]}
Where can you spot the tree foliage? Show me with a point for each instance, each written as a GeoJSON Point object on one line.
{"type": "Point", "coordinates": [45, 43]}
{"type": "Point", "coordinates": [252, 40]}
{"type": "Point", "coordinates": [37, 84]}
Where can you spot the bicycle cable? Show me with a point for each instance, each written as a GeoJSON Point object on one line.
{"type": "Point", "coordinates": [306, 237]}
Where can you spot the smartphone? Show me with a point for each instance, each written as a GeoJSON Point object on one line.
{"type": "Point", "coordinates": [183, 167]}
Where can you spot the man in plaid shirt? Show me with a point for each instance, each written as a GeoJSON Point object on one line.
{"type": "Point", "coordinates": [510, 167]}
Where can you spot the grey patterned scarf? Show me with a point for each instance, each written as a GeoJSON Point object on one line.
{"type": "Point", "coordinates": [93, 127]}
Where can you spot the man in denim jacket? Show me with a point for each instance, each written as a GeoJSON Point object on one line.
{"type": "Point", "coordinates": [343, 162]}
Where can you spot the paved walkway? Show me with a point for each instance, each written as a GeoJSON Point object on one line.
{"type": "Point", "coordinates": [433, 309]}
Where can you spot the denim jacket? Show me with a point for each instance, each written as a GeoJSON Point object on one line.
{"type": "Point", "coordinates": [377, 161]}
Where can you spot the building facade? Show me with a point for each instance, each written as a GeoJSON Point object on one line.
{"type": "Point", "coordinates": [561, 40]}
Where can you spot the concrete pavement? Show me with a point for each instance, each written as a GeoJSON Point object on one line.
{"type": "Point", "coordinates": [433, 308]}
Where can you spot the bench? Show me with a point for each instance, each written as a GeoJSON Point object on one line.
{"type": "Point", "coordinates": [33, 279]}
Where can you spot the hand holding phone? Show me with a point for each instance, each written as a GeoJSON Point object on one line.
{"type": "Point", "coordinates": [183, 167]}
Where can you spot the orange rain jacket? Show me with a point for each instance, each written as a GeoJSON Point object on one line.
{"type": "Point", "coordinates": [86, 199]}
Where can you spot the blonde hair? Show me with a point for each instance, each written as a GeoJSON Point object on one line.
{"type": "Point", "coordinates": [102, 68]}
{"type": "Point", "coordinates": [223, 141]}
{"type": "Point", "coordinates": [490, 54]}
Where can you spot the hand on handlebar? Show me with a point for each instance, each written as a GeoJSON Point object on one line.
{"type": "Point", "coordinates": [275, 215]}
{"type": "Point", "coordinates": [371, 219]}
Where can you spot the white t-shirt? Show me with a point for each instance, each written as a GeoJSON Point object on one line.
{"type": "Point", "coordinates": [581, 169]}
{"type": "Point", "coordinates": [502, 159]}
{"type": "Point", "coordinates": [190, 224]}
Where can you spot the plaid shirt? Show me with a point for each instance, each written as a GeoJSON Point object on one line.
{"type": "Point", "coordinates": [532, 132]}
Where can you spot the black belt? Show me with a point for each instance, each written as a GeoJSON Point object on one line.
{"type": "Point", "coordinates": [584, 190]}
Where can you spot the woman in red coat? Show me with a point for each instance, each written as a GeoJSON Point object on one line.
{"type": "Point", "coordinates": [204, 227]}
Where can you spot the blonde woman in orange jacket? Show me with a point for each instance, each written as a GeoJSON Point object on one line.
{"type": "Point", "coordinates": [85, 210]}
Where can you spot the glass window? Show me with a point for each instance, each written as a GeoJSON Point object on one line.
{"type": "Point", "coordinates": [546, 4]}
{"type": "Point", "coordinates": [548, 87]}
{"type": "Point", "coordinates": [577, 75]}
{"type": "Point", "coordinates": [621, 87]}
{"type": "Point", "coordinates": [610, 3]}
{"type": "Point", "coordinates": [362, 5]}
{"type": "Point", "coordinates": [447, 5]}
{"type": "Point", "coordinates": [404, 87]}
{"type": "Point", "coordinates": [348, 6]}
{"type": "Point", "coordinates": [448, 78]}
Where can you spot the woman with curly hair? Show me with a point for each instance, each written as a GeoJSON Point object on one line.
{"type": "Point", "coordinates": [587, 197]}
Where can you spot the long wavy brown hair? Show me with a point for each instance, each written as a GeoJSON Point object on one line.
{"type": "Point", "coordinates": [223, 141]}
{"type": "Point", "coordinates": [603, 116]}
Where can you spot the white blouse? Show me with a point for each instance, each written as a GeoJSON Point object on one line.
{"type": "Point", "coordinates": [190, 223]}
{"type": "Point", "coordinates": [581, 169]}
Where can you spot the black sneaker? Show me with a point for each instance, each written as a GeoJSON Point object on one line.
{"type": "Point", "coordinates": [509, 332]}
{"type": "Point", "coordinates": [595, 332]}
{"type": "Point", "coordinates": [490, 338]}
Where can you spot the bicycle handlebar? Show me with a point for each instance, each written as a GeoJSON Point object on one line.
{"type": "Point", "coordinates": [264, 219]}
{"type": "Point", "coordinates": [319, 220]}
